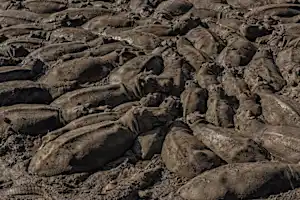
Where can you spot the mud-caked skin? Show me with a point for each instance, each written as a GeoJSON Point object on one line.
{"type": "Point", "coordinates": [234, 85]}
{"type": "Point", "coordinates": [29, 92]}
{"type": "Point", "coordinates": [238, 53]}
{"type": "Point", "coordinates": [71, 34]}
{"type": "Point", "coordinates": [280, 10]}
{"type": "Point", "coordinates": [41, 58]}
{"type": "Point", "coordinates": [124, 107]}
{"type": "Point", "coordinates": [123, 34]}
{"type": "Point", "coordinates": [229, 145]}
{"type": "Point", "coordinates": [201, 13]}
{"type": "Point", "coordinates": [243, 181]}
{"type": "Point", "coordinates": [48, 6]}
{"type": "Point", "coordinates": [215, 5]}
{"type": "Point", "coordinates": [14, 17]}
{"type": "Point", "coordinates": [232, 24]}
{"type": "Point", "coordinates": [80, 149]}
{"type": "Point", "coordinates": [101, 22]}
{"type": "Point", "coordinates": [81, 70]}
{"type": "Point", "coordinates": [191, 19]}
{"type": "Point", "coordinates": [138, 118]}
{"type": "Point", "coordinates": [75, 151]}
{"type": "Point", "coordinates": [287, 61]}
{"type": "Point", "coordinates": [227, 29]}
{"type": "Point", "coordinates": [279, 110]}
{"type": "Point", "coordinates": [136, 65]}
{"type": "Point", "coordinates": [194, 56]}
{"type": "Point", "coordinates": [176, 68]}
{"type": "Point", "coordinates": [205, 41]}
{"type": "Point", "coordinates": [34, 119]}
{"type": "Point", "coordinates": [171, 8]}
{"type": "Point", "coordinates": [80, 122]}
{"type": "Point", "coordinates": [184, 155]}
{"type": "Point", "coordinates": [97, 48]}
{"type": "Point", "coordinates": [19, 30]}
{"type": "Point", "coordinates": [263, 70]}
{"type": "Point", "coordinates": [246, 119]}
{"type": "Point", "coordinates": [149, 143]}
{"type": "Point", "coordinates": [253, 3]}
{"type": "Point", "coordinates": [208, 75]}
{"type": "Point", "coordinates": [193, 98]}
{"type": "Point", "coordinates": [111, 95]}
{"type": "Point", "coordinates": [219, 110]}
{"type": "Point", "coordinates": [150, 100]}
{"type": "Point", "coordinates": [141, 7]}
{"type": "Point", "coordinates": [138, 39]}
{"type": "Point", "coordinates": [23, 91]}
{"type": "Point", "coordinates": [114, 94]}
{"type": "Point", "coordinates": [88, 4]}
{"type": "Point", "coordinates": [21, 46]}
{"type": "Point", "coordinates": [158, 29]}
{"type": "Point", "coordinates": [280, 141]}
{"type": "Point", "coordinates": [29, 119]}
{"type": "Point", "coordinates": [31, 42]}
{"type": "Point", "coordinates": [82, 14]}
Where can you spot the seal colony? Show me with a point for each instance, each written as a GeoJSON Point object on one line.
{"type": "Point", "coordinates": [149, 99]}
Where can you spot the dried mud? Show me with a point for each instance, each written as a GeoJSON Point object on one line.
{"type": "Point", "coordinates": [149, 99]}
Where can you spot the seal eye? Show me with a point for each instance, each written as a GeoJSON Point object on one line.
{"type": "Point", "coordinates": [142, 82]}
